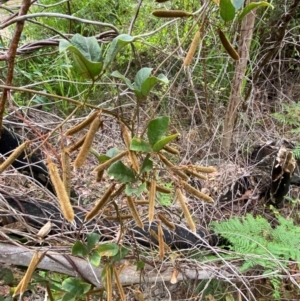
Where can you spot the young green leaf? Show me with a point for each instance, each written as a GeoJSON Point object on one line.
{"type": "Point", "coordinates": [227, 10]}
{"type": "Point", "coordinates": [95, 258]}
{"type": "Point", "coordinates": [126, 80]}
{"type": "Point", "coordinates": [139, 145]}
{"type": "Point", "coordinates": [157, 129]}
{"type": "Point", "coordinates": [252, 6]}
{"type": "Point", "coordinates": [121, 172]}
{"type": "Point", "coordinates": [75, 286]}
{"type": "Point", "coordinates": [108, 249]}
{"type": "Point", "coordinates": [92, 239]}
{"type": "Point", "coordinates": [79, 249]}
{"type": "Point", "coordinates": [159, 145]}
{"type": "Point", "coordinates": [147, 165]}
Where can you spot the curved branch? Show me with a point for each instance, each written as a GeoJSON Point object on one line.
{"type": "Point", "coordinates": [56, 15]}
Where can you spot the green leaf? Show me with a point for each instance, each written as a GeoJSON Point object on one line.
{"type": "Point", "coordinates": [159, 145]}
{"type": "Point", "coordinates": [88, 46]}
{"type": "Point", "coordinates": [112, 152]}
{"type": "Point", "coordinates": [238, 4]}
{"type": "Point", "coordinates": [130, 190]}
{"type": "Point", "coordinates": [92, 239]}
{"type": "Point", "coordinates": [157, 129]}
{"type": "Point", "coordinates": [139, 145]}
{"type": "Point", "coordinates": [108, 249]}
{"type": "Point", "coordinates": [121, 172]}
{"type": "Point", "coordinates": [144, 82]}
{"type": "Point", "coordinates": [75, 286]}
{"type": "Point", "coordinates": [140, 265]}
{"type": "Point", "coordinates": [122, 253]}
{"type": "Point", "coordinates": [79, 249]}
{"type": "Point", "coordinates": [116, 45]}
{"type": "Point", "coordinates": [86, 55]}
{"type": "Point", "coordinates": [95, 258]}
{"type": "Point", "coordinates": [147, 165]}
{"type": "Point", "coordinates": [7, 276]}
{"type": "Point", "coordinates": [68, 297]}
{"type": "Point", "coordinates": [117, 74]}
{"type": "Point", "coordinates": [251, 6]}
{"type": "Point", "coordinates": [227, 10]}
{"type": "Point", "coordinates": [103, 158]}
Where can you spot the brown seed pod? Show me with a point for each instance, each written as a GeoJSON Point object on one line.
{"type": "Point", "coordinates": [76, 145]}
{"type": "Point", "coordinates": [152, 233]}
{"type": "Point", "coordinates": [126, 135]}
{"type": "Point", "coordinates": [166, 221]}
{"type": "Point", "coordinates": [227, 45]}
{"type": "Point", "coordinates": [185, 210]}
{"type": "Point", "coordinates": [192, 50]}
{"type": "Point", "coordinates": [171, 150]}
{"type": "Point", "coordinates": [99, 175]}
{"type": "Point", "coordinates": [151, 196]}
{"type": "Point", "coordinates": [109, 162]}
{"type": "Point", "coordinates": [134, 212]}
{"type": "Point", "coordinates": [61, 192]}
{"type": "Point", "coordinates": [134, 161]}
{"type": "Point", "coordinates": [84, 151]}
{"type": "Point", "coordinates": [205, 169]}
{"type": "Point", "coordinates": [35, 260]}
{"type": "Point", "coordinates": [119, 284]}
{"type": "Point", "coordinates": [171, 14]}
{"type": "Point", "coordinates": [13, 156]}
{"type": "Point", "coordinates": [82, 125]}
{"type": "Point", "coordinates": [115, 217]}
{"type": "Point", "coordinates": [159, 188]}
{"type": "Point", "coordinates": [108, 283]}
{"type": "Point", "coordinates": [194, 173]}
{"type": "Point", "coordinates": [174, 169]}
{"type": "Point", "coordinates": [66, 170]}
{"type": "Point", "coordinates": [100, 204]}
{"type": "Point", "coordinates": [196, 192]}
{"type": "Point", "coordinates": [161, 242]}
{"type": "Point", "coordinates": [161, 1]}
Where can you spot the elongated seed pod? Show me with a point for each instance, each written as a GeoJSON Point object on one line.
{"type": "Point", "coordinates": [153, 233]}
{"type": "Point", "coordinates": [76, 145]}
{"type": "Point", "coordinates": [206, 169]}
{"type": "Point", "coordinates": [134, 212]}
{"type": "Point", "coordinates": [174, 169]}
{"type": "Point", "coordinates": [126, 135]}
{"type": "Point", "coordinates": [171, 150]}
{"type": "Point", "coordinates": [166, 221]}
{"type": "Point", "coordinates": [159, 188]}
{"type": "Point", "coordinates": [100, 204]}
{"type": "Point", "coordinates": [84, 151]}
{"type": "Point", "coordinates": [66, 171]}
{"type": "Point", "coordinates": [118, 191]}
{"type": "Point", "coordinates": [108, 283]}
{"type": "Point", "coordinates": [61, 192]}
{"type": "Point", "coordinates": [185, 210]}
{"type": "Point", "coordinates": [192, 50]}
{"type": "Point", "coordinates": [13, 156]}
{"type": "Point", "coordinates": [171, 14]}
{"type": "Point", "coordinates": [134, 161]}
{"type": "Point", "coordinates": [119, 284]}
{"type": "Point", "coordinates": [109, 162]}
{"type": "Point", "coordinates": [141, 202]}
{"type": "Point", "coordinates": [80, 126]}
{"type": "Point", "coordinates": [161, 1]}
{"type": "Point", "coordinates": [227, 45]}
{"type": "Point", "coordinates": [151, 196]}
{"type": "Point", "coordinates": [196, 192]}
{"type": "Point", "coordinates": [195, 174]}
{"type": "Point", "coordinates": [161, 243]}
{"type": "Point", "coordinates": [99, 175]}
{"type": "Point", "coordinates": [35, 260]}
{"type": "Point", "coordinates": [115, 217]}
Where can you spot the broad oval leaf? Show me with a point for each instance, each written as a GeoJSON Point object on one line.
{"type": "Point", "coordinates": [141, 76]}
{"type": "Point", "coordinates": [159, 145]}
{"type": "Point", "coordinates": [147, 165]}
{"type": "Point", "coordinates": [75, 286]}
{"type": "Point", "coordinates": [251, 6]}
{"type": "Point", "coordinates": [108, 249]}
{"type": "Point", "coordinates": [79, 249]}
{"type": "Point", "coordinates": [95, 258]}
{"type": "Point", "coordinates": [157, 129]}
{"type": "Point", "coordinates": [121, 172]}
{"type": "Point", "coordinates": [116, 45]}
{"type": "Point", "coordinates": [139, 145]}
{"type": "Point", "coordinates": [122, 252]}
{"type": "Point", "coordinates": [92, 239]}
{"type": "Point", "coordinates": [112, 152]}
{"type": "Point", "coordinates": [227, 10]}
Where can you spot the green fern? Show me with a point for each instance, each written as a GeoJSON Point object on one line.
{"type": "Point", "coordinates": [259, 243]}
{"type": "Point", "coordinates": [296, 150]}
